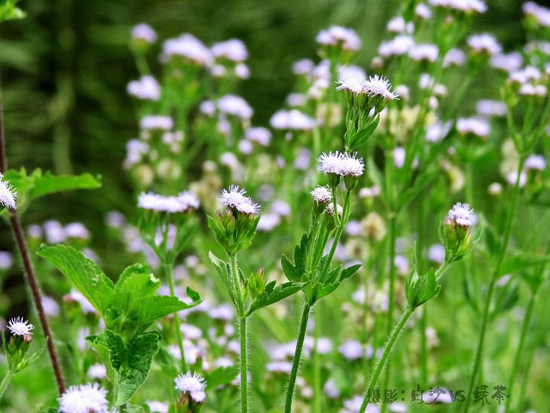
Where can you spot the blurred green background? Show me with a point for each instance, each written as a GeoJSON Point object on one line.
{"type": "Point", "coordinates": [65, 68]}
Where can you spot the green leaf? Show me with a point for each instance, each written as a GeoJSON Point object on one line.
{"type": "Point", "coordinates": [290, 271]}
{"type": "Point", "coordinates": [223, 270]}
{"type": "Point", "coordinates": [419, 185]}
{"type": "Point", "coordinates": [349, 271]}
{"type": "Point", "coordinates": [83, 273]}
{"type": "Point", "coordinates": [153, 308]}
{"type": "Point", "coordinates": [272, 295]}
{"type": "Point", "coordinates": [419, 289]}
{"type": "Point", "coordinates": [363, 135]}
{"type": "Point", "coordinates": [521, 262]}
{"type": "Point", "coordinates": [221, 376]}
{"type": "Point", "coordinates": [8, 11]}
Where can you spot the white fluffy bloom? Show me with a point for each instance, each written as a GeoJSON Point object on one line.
{"type": "Point", "coordinates": [208, 108]}
{"type": "Point", "coordinates": [279, 367]}
{"type": "Point", "coordinates": [268, 222]}
{"type": "Point", "coordinates": [242, 71]}
{"type": "Point", "coordinates": [379, 86]}
{"type": "Point", "coordinates": [188, 47]}
{"type": "Point", "coordinates": [303, 67]}
{"type": "Point", "coordinates": [427, 52]}
{"type": "Point", "coordinates": [183, 202]}
{"type": "Point", "coordinates": [484, 43]}
{"type": "Point", "coordinates": [97, 371]}
{"type": "Point", "coordinates": [422, 11]}
{"type": "Point", "coordinates": [233, 49]}
{"type": "Point", "coordinates": [235, 198]}
{"type": "Point", "coordinates": [292, 120]}
{"type": "Point", "coordinates": [512, 177]}
{"type": "Point", "coordinates": [535, 162]}
{"type": "Point", "coordinates": [532, 90]}
{"type": "Point", "coordinates": [329, 209]}
{"type": "Point", "coordinates": [337, 35]}
{"type": "Point", "coordinates": [510, 62]}
{"type": "Point", "coordinates": [321, 195]}
{"type": "Point", "coordinates": [461, 214]}
{"type": "Point", "coordinates": [454, 57]}
{"type": "Point", "coordinates": [351, 350]}
{"type": "Point", "coordinates": [465, 6]}
{"type": "Point", "coordinates": [342, 164]}
{"type": "Point", "coordinates": [135, 151]}
{"type": "Point", "coordinates": [436, 253]}
{"type": "Point", "coordinates": [146, 88]}
{"type": "Point", "coordinates": [84, 399]}
{"type": "Point", "coordinates": [76, 230]}
{"type": "Point", "coordinates": [539, 13]}
{"type": "Point", "coordinates": [144, 32]}
{"type": "Point", "coordinates": [6, 260]}
{"type": "Point", "coordinates": [20, 327]}
{"type": "Point", "coordinates": [437, 131]}
{"type": "Point", "coordinates": [488, 107]}
{"type": "Point", "coordinates": [192, 384]}
{"type": "Point", "coordinates": [399, 25]}
{"type": "Point", "coordinates": [157, 407]}
{"type": "Point", "coordinates": [397, 46]}
{"type": "Point", "coordinates": [8, 195]}
{"type": "Point", "coordinates": [235, 106]}
{"type": "Point", "coordinates": [259, 135]}
{"type": "Point", "coordinates": [475, 126]}
{"type": "Point", "coordinates": [152, 122]}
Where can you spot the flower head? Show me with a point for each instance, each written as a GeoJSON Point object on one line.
{"type": "Point", "coordinates": [8, 195]}
{"type": "Point", "coordinates": [152, 122]}
{"type": "Point", "coordinates": [461, 214]}
{"type": "Point", "coordinates": [235, 198]}
{"type": "Point", "coordinates": [187, 47]}
{"type": "Point", "coordinates": [20, 327]}
{"type": "Point", "coordinates": [292, 120]}
{"type": "Point", "coordinates": [235, 106]}
{"type": "Point", "coordinates": [84, 399]}
{"type": "Point", "coordinates": [379, 86]}
{"type": "Point", "coordinates": [484, 43]}
{"type": "Point", "coordinates": [183, 202]}
{"type": "Point", "coordinates": [342, 164]}
{"type": "Point", "coordinates": [146, 88]}
{"type": "Point", "coordinates": [339, 36]}
{"type": "Point", "coordinates": [192, 384]}
{"type": "Point", "coordinates": [144, 32]}
{"type": "Point", "coordinates": [535, 162]}
{"type": "Point", "coordinates": [321, 195]}
{"type": "Point", "coordinates": [233, 49]}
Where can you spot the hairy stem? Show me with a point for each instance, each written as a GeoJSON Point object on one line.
{"type": "Point", "coordinates": [297, 357]}
{"type": "Point", "coordinates": [177, 323]}
{"type": "Point", "coordinates": [5, 382]}
{"type": "Point", "coordinates": [244, 364]}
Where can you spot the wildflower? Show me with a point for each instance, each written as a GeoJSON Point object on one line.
{"type": "Point", "coordinates": [292, 120]}
{"type": "Point", "coordinates": [329, 209]}
{"type": "Point", "coordinates": [76, 230]}
{"type": "Point", "coordinates": [532, 90]}
{"type": "Point", "coordinates": [245, 147]}
{"type": "Point", "coordinates": [8, 195]}
{"type": "Point", "coordinates": [233, 50]}
{"type": "Point", "coordinates": [337, 165]}
{"type": "Point", "coordinates": [438, 131]}
{"type": "Point", "coordinates": [157, 407]}
{"type": "Point", "coordinates": [510, 62]}
{"type": "Point", "coordinates": [207, 108]}
{"type": "Point", "coordinates": [464, 6]}
{"type": "Point", "coordinates": [303, 67]}
{"type": "Point", "coordinates": [191, 384]}
{"type": "Point", "coordinates": [343, 37]}
{"type": "Point", "coordinates": [283, 367]}
{"type": "Point", "coordinates": [156, 122]}
{"type": "Point", "coordinates": [84, 399]}
{"type": "Point", "coordinates": [491, 108]}
{"type": "Point", "coordinates": [422, 11]}
{"type": "Point", "coordinates": [234, 106]}
{"type": "Point", "coordinates": [97, 371]}
{"type": "Point", "coordinates": [296, 100]}
{"type": "Point", "coordinates": [20, 327]}
{"type": "Point", "coordinates": [455, 233]}
{"type": "Point", "coordinates": [268, 222]}
{"type": "Point", "coordinates": [484, 44]}
{"type": "Point", "coordinates": [398, 46]}
{"type": "Point", "coordinates": [187, 47]}
{"type": "Point", "coordinates": [454, 57]}
{"type": "Point", "coordinates": [181, 203]}
{"type": "Point", "coordinates": [538, 15]}
{"type": "Point", "coordinates": [399, 25]}
{"type": "Point", "coordinates": [321, 195]}
{"type": "Point", "coordinates": [474, 126]}
{"type": "Point", "coordinates": [235, 198]}
{"type": "Point", "coordinates": [146, 88]}
{"type": "Point", "coordinates": [424, 52]}
{"type": "Point", "coordinates": [436, 253]}
{"type": "Point", "coordinates": [494, 189]}
{"type": "Point", "coordinates": [535, 162]}
{"type": "Point", "coordinates": [461, 214]}
{"type": "Point", "coordinates": [351, 350]}
{"type": "Point", "coordinates": [145, 33]}
{"type": "Point", "coordinates": [379, 87]}
{"type": "Point", "coordinates": [6, 260]}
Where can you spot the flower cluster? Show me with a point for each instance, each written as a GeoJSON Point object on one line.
{"type": "Point", "coordinates": [192, 385]}
{"type": "Point", "coordinates": [339, 36]}
{"type": "Point", "coordinates": [185, 201]}
{"type": "Point", "coordinates": [235, 199]}
{"type": "Point", "coordinates": [8, 195]}
{"type": "Point", "coordinates": [84, 399]}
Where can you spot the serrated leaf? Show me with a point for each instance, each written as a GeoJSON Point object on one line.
{"type": "Point", "coordinates": [349, 271]}
{"type": "Point", "coordinates": [289, 269]}
{"type": "Point", "coordinates": [420, 289]}
{"type": "Point", "coordinates": [221, 376]}
{"type": "Point", "coordinates": [363, 135]}
{"type": "Point", "coordinates": [83, 273]}
{"type": "Point", "coordinates": [272, 295]}
{"type": "Point", "coordinates": [49, 184]}
{"type": "Point", "coordinates": [193, 295]}
{"type": "Point", "coordinates": [153, 308]}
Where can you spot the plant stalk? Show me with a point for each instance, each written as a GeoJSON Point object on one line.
{"type": "Point", "coordinates": [177, 322]}
{"type": "Point", "coordinates": [5, 382]}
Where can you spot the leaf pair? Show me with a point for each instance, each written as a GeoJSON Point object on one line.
{"type": "Point", "coordinates": [421, 289]}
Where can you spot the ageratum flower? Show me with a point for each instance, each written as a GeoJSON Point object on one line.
{"type": "Point", "coordinates": [461, 214]}
{"type": "Point", "coordinates": [235, 106]}
{"type": "Point", "coordinates": [484, 44]}
{"type": "Point", "coordinates": [156, 122]}
{"type": "Point", "coordinates": [20, 327]}
{"type": "Point", "coordinates": [535, 163]}
{"type": "Point", "coordinates": [424, 52]}
{"type": "Point", "coordinates": [341, 165]}
{"type": "Point", "coordinates": [144, 32]}
{"type": "Point", "coordinates": [183, 202]}
{"type": "Point", "coordinates": [259, 135]}
{"type": "Point", "coordinates": [465, 6]}
{"type": "Point", "coordinates": [187, 47]}
{"type": "Point", "coordinates": [8, 195]}
{"type": "Point", "coordinates": [233, 50]}
{"type": "Point", "coordinates": [398, 46]}
{"type": "Point", "coordinates": [146, 88]}
{"type": "Point", "coordinates": [191, 384]}
{"type": "Point", "coordinates": [346, 38]}
{"type": "Point", "coordinates": [321, 195]}
{"type": "Point", "coordinates": [235, 199]}
{"type": "Point", "coordinates": [455, 232]}
{"type": "Point", "coordinates": [292, 120]}
{"type": "Point", "coordinates": [84, 399]}
{"type": "Point", "coordinates": [510, 62]}
{"type": "Point", "coordinates": [475, 126]}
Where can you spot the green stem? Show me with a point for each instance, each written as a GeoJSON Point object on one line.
{"type": "Point", "coordinates": [519, 351]}
{"type": "Point", "coordinates": [420, 265]}
{"type": "Point", "coordinates": [5, 382]}
{"type": "Point", "coordinates": [297, 357]}
{"type": "Point", "coordinates": [385, 356]}
{"type": "Point", "coordinates": [507, 231]}
{"type": "Point", "coordinates": [177, 323]}
{"type": "Point", "coordinates": [244, 364]}
{"type": "Point", "coordinates": [317, 363]}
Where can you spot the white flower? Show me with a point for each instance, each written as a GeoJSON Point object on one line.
{"type": "Point", "coordinates": [268, 222]}
{"type": "Point", "coordinates": [454, 57]}
{"type": "Point", "coordinates": [422, 11]}
{"type": "Point", "coordinates": [157, 407]}
{"type": "Point", "coordinates": [135, 151]}
{"type": "Point", "coordinates": [491, 108]}
{"type": "Point", "coordinates": [84, 399]}
{"type": "Point", "coordinates": [331, 390]}
{"type": "Point", "coordinates": [8, 195]}
{"type": "Point", "coordinates": [342, 164]}
{"type": "Point", "coordinates": [235, 198]}
{"type": "Point", "coordinates": [461, 214]}
{"type": "Point", "coordinates": [379, 86]}
{"type": "Point", "coordinates": [292, 120]}
{"type": "Point", "coordinates": [303, 67]}
{"type": "Point", "coordinates": [438, 131]}
{"type": "Point", "coordinates": [399, 156]}
{"type": "Point", "coordinates": [398, 25]}
{"type": "Point", "coordinates": [352, 71]}
{"type": "Point", "coordinates": [339, 36]}
{"type": "Point", "coordinates": [494, 189]}
{"type": "Point", "coordinates": [156, 122]}
{"type": "Point", "coordinates": [183, 202]}
{"type": "Point", "coordinates": [259, 135]}
{"type": "Point", "coordinates": [535, 162]}
{"type": "Point", "coordinates": [207, 108]}
{"type": "Point", "coordinates": [436, 253]}
{"type": "Point", "coordinates": [97, 371]}
{"type": "Point", "coordinates": [87, 307]}
{"type": "Point", "coordinates": [6, 260]}
{"type": "Point", "coordinates": [192, 384]}
{"type": "Point", "coordinates": [76, 230]}
{"type": "Point", "coordinates": [242, 71]}
{"type": "Point", "coordinates": [329, 209]}
{"type": "Point", "coordinates": [188, 47]}
{"type": "Point", "coordinates": [510, 62]}
{"type": "Point", "coordinates": [235, 106]}
{"type": "Point", "coordinates": [484, 43]}
{"type": "Point", "coordinates": [144, 32]}
{"type": "Point", "coordinates": [397, 46]}
{"type": "Point", "coordinates": [539, 13]}
{"type": "Point", "coordinates": [146, 88]}
{"type": "Point", "coordinates": [321, 195]}
{"type": "Point", "coordinates": [465, 6]}
{"type": "Point", "coordinates": [351, 350]}
{"type": "Point", "coordinates": [512, 177]}
{"type": "Point", "coordinates": [296, 99]}
{"type": "Point", "coordinates": [279, 367]}
{"type": "Point", "coordinates": [475, 126]}
{"type": "Point", "coordinates": [352, 84]}
{"type": "Point", "coordinates": [532, 90]}
{"type": "Point", "coordinates": [20, 327]}
{"type": "Point", "coordinates": [233, 49]}
{"type": "Point", "coordinates": [428, 52]}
